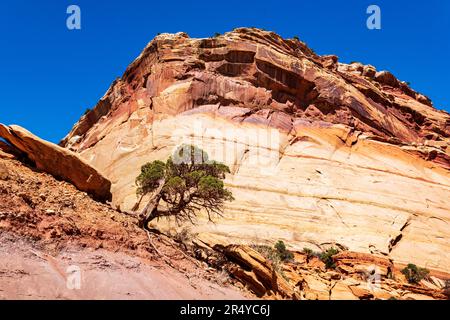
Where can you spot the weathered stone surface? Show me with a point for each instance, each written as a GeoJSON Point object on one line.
{"type": "Point", "coordinates": [57, 161]}
{"type": "Point", "coordinates": [300, 279]}
{"type": "Point", "coordinates": [321, 152]}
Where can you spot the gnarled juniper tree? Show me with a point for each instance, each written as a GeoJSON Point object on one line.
{"type": "Point", "coordinates": [186, 183]}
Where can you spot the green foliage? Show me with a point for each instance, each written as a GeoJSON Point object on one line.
{"type": "Point", "coordinates": [151, 174]}
{"type": "Point", "coordinates": [282, 252]}
{"type": "Point", "coordinates": [310, 253]}
{"type": "Point", "coordinates": [414, 274]}
{"type": "Point", "coordinates": [216, 34]}
{"type": "Point", "coordinates": [327, 258]}
{"type": "Point", "coordinates": [276, 254]}
{"type": "Point", "coordinates": [86, 111]}
{"type": "Point", "coordinates": [296, 38]}
{"type": "Point", "coordinates": [268, 252]}
{"type": "Point", "coordinates": [188, 182]}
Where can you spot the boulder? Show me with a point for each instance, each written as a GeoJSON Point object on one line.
{"type": "Point", "coordinates": [59, 162]}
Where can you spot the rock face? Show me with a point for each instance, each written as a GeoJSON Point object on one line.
{"type": "Point", "coordinates": [57, 161]}
{"type": "Point", "coordinates": [321, 152]}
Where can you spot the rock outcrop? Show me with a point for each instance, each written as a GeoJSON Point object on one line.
{"type": "Point", "coordinates": [49, 230]}
{"type": "Point", "coordinates": [354, 276]}
{"type": "Point", "coordinates": [59, 162]}
{"type": "Point", "coordinates": [321, 152]}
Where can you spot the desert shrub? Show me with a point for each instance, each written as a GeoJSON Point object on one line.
{"type": "Point", "coordinates": [276, 254]}
{"type": "Point", "coordinates": [268, 252]}
{"type": "Point", "coordinates": [310, 253]}
{"type": "Point", "coordinates": [283, 253]}
{"type": "Point", "coordinates": [296, 38]}
{"type": "Point", "coordinates": [216, 34]}
{"type": "Point", "coordinates": [327, 257]}
{"type": "Point", "coordinates": [414, 274]}
{"type": "Point", "coordinates": [184, 236]}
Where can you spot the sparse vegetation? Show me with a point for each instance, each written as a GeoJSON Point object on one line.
{"type": "Point", "coordinates": [86, 111]}
{"type": "Point", "coordinates": [282, 252]}
{"type": "Point", "coordinates": [277, 255]}
{"type": "Point", "coordinates": [414, 274]}
{"type": "Point", "coordinates": [310, 253]}
{"type": "Point", "coordinates": [268, 252]}
{"type": "Point", "coordinates": [187, 183]}
{"type": "Point", "coordinates": [327, 257]}
{"type": "Point", "coordinates": [216, 34]}
{"type": "Point", "coordinates": [296, 38]}
{"type": "Point", "coordinates": [184, 237]}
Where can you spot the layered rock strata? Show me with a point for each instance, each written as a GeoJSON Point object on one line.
{"type": "Point", "coordinates": [321, 152]}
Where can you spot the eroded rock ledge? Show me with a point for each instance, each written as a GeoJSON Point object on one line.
{"type": "Point", "coordinates": [59, 162]}
{"type": "Point", "coordinates": [356, 276]}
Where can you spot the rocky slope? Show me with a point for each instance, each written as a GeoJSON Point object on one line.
{"type": "Point", "coordinates": [47, 226]}
{"type": "Point", "coordinates": [321, 152]}
{"type": "Point", "coordinates": [354, 276]}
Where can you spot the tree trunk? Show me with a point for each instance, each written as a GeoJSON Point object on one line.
{"type": "Point", "coordinates": [138, 203]}
{"type": "Point", "coordinates": [151, 209]}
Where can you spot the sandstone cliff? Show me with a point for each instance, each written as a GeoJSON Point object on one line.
{"type": "Point", "coordinates": [321, 152]}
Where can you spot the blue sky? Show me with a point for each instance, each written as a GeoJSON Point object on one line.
{"type": "Point", "coordinates": [51, 75]}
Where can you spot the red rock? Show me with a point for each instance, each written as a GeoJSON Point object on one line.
{"type": "Point", "coordinates": [59, 162]}
{"type": "Point", "coordinates": [357, 155]}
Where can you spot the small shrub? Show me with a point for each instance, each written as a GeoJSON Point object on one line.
{"type": "Point", "coordinates": [282, 252]}
{"type": "Point", "coordinates": [266, 251]}
{"type": "Point", "coordinates": [327, 258]}
{"type": "Point", "coordinates": [296, 38]}
{"type": "Point", "coordinates": [184, 237]}
{"type": "Point", "coordinates": [414, 274]}
{"type": "Point", "coordinates": [217, 35]}
{"type": "Point", "coordinates": [277, 254]}
{"type": "Point", "coordinates": [310, 253]}
{"type": "Point", "coordinates": [86, 111]}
